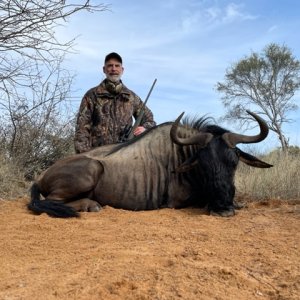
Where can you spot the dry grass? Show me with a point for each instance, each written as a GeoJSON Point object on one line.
{"type": "Point", "coordinates": [12, 183]}
{"type": "Point", "coordinates": [281, 182]}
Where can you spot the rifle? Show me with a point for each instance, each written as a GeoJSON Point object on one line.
{"type": "Point", "coordinates": [128, 131]}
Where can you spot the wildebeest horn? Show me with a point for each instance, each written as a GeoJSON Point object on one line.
{"type": "Point", "coordinates": [201, 139]}
{"type": "Point", "coordinates": [232, 139]}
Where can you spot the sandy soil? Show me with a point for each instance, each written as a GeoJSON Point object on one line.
{"type": "Point", "coordinates": [165, 254]}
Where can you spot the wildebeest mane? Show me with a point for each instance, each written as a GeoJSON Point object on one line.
{"type": "Point", "coordinates": [204, 124]}
{"type": "Point", "coordinates": [196, 122]}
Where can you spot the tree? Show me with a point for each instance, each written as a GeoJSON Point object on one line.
{"type": "Point", "coordinates": [29, 48]}
{"type": "Point", "coordinates": [266, 81]}
{"type": "Point", "coordinates": [33, 82]}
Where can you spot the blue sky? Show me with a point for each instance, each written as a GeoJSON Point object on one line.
{"type": "Point", "coordinates": [187, 45]}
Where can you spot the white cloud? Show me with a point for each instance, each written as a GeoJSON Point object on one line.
{"type": "Point", "coordinates": [272, 28]}
{"type": "Point", "coordinates": [213, 13]}
{"type": "Point", "coordinates": [234, 12]}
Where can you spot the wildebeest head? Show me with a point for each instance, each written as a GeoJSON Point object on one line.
{"type": "Point", "coordinates": [215, 160]}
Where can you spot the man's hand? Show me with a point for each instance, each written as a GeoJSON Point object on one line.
{"type": "Point", "coordinates": [139, 130]}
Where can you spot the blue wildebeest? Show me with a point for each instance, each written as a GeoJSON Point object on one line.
{"type": "Point", "coordinates": [172, 165]}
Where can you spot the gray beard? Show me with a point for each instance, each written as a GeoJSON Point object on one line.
{"type": "Point", "coordinates": [113, 78]}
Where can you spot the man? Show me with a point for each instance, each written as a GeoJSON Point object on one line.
{"type": "Point", "coordinates": [107, 110]}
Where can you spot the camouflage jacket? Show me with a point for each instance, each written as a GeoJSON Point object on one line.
{"type": "Point", "coordinates": [103, 116]}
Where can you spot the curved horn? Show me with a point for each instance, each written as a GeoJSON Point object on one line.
{"type": "Point", "coordinates": [201, 139]}
{"type": "Point", "coordinates": [232, 139]}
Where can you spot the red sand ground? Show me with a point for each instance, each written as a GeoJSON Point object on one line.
{"type": "Point", "coordinates": [164, 255]}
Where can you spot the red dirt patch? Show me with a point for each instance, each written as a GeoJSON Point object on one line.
{"type": "Point", "coordinates": [165, 254]}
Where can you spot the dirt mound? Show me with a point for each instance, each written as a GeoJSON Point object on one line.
{"type": "Point", "coordinates": [165, 254]}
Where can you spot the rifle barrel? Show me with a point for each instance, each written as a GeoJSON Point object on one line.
{"type": "Point", "coordinates": [140, 116]}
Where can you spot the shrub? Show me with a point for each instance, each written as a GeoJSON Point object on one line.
{"type": "Point", "coordinates": [12, 182]}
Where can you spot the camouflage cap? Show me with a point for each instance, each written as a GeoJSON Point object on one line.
{"type": "Point", "coordinates": [113, 55]}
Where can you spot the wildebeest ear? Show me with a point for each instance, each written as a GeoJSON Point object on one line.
{"type": "Point", "coordinates": [252, 160]}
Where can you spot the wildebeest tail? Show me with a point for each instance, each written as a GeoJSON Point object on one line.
{"type": "Point", "coordinates": [53, 209]}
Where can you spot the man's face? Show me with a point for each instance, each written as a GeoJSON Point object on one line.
{"type": "Point", "coordinates": [113, 70]}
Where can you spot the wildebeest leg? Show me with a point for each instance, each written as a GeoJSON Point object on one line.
{"type": "Point", "coordinates": [71, 180]}
{"type": "Point", "coordinates": [64, 185]}
{"type": "Point", "coordinates": [85, 205]}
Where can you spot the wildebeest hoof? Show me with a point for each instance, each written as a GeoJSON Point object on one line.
{"type": "Point", "coordinates": [95, 207]}
{"type": "Point", "coordinates": [223, 213]}
{"type": "Point", "coordinates": [92, 206]}
{"type": "Point", "coordinates": [85, 205]}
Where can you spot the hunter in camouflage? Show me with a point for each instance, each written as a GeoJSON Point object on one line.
{"type": "Point", "coordinates": [104, 113]}
{"type": "Point", "coordinates": [106, 110]}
